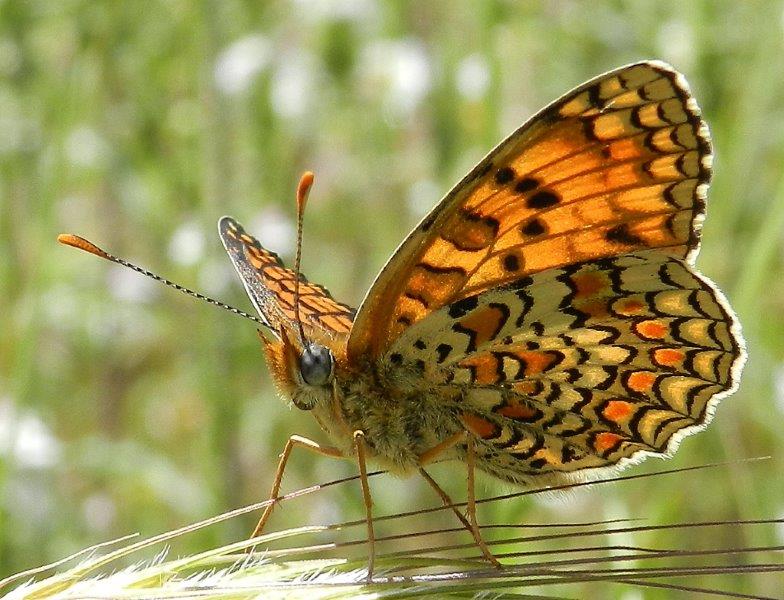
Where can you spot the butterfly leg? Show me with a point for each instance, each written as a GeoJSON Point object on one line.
{"type": "Point", "coordinates": [445, 499]}
{"type": "Point", "coordinates": [470, 523]}
{"type": "Point", "coordinates": [294, 440]}
{"type": "Point", "coordinates": [471, 501]}
{"type": "Point", "coordinates": [359, 447]}
{"type": "Point", "coordinates": [430, 456]}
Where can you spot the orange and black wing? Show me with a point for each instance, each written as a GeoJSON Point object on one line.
{"type": "Point", "coordinates": [270, 286]}
{"type": "Point", "coordinates": [618, 165]}
{"type": "Point", "coordinates": [579, 367]}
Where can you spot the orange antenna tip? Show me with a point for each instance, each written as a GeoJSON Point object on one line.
{"type": "Point", "coordinates": [69, 239]}
{"type": "Point", "coordinates": [303, 189]}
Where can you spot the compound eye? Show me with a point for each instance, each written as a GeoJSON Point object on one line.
{"type": "Point", "coordinates": [315, 364]}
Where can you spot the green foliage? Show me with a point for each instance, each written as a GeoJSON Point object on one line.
{"type": "Point", "coordinates": [126, 407]}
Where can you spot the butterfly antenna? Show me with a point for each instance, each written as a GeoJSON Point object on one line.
{"type": "Point", "coordinates": [303, 189]}
{"type": "Point", "coordinates": [70, 239]}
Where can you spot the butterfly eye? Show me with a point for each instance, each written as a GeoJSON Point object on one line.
{"type": "Point", "coordinates": [315, 364]}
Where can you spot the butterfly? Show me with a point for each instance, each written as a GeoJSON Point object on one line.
{"type": "Point", "coordinates": [543, 323]}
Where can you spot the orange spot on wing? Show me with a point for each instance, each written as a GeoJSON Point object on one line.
{"type": "Point", "coordinates": [517, 411]}
{"type": "Point", "coordinates": [652, 329]}
{"type": "Point", "coordinates": [480, 427]}
{"type": "Point", "coordinates": [486, 322]}
{"type": "Point", "coordinates": [470, 231]}
{"type": "Point", "coordinates": [606, 441]}
{"type": "Point", "coordinates": [527, 387]}
{"type": "Point", "coordinates": [630, 307]}
{"type": "Point", "coordinates": [617, 410]}
{"type": "Point", "coordinates": [668, 356]}
{"type": "Point", "coordinates": [641, 381]}
{"type": "Point", "coordinates": [537, 362]}
{"type": "Point", "coordinates": [589, 284]}
{"type": "Point", "coordinates": [485, 368]}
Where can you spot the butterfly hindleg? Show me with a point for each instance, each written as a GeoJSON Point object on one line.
{"type": "Point", "coordinates": [294, 440]}
{"type": "Point", "coordinates": [471, 508]}
{"type": "Point", "coordinates": [470, 523]}
{"type": "Point", "coordinates": [445, 498]}
{"type": "Point", "coordinates": [359, 449]}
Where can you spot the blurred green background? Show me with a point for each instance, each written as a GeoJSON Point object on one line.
{"type": "Point", "coordinates": [125, 406]}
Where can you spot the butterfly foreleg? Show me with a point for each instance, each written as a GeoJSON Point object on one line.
{"type": "Point", "coordinates": [470, 523]}
{"type": "Point", "coordinates": [359, 449]}
{"type": "Point", "coordinates": [294, 440]}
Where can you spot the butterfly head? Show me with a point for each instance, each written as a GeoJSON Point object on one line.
{"type": "Point", "coordinates": [307, 328]}
{"type": "Point", "coordinates": [303, 372]}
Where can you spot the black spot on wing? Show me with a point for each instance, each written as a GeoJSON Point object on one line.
{"type": "Point", "coordinates": [462, 307]}
{"type": "Point", "coordinates": [527, 184]}
{"type": "Point", "coordinates": [533, 228]}
{"type": "Point", "coordinates": [504, 175]}
{"type": "Point", "coordinates": [443, 351]}
{"type": "Point", "coordinates": [620, 234]}
{"type": "Point", "coordinates": [543, 199]}
{"type": "Point", "coordinates": [511, 262]}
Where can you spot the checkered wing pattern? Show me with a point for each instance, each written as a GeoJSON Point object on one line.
{"type": "Point", "coordinates": [552, 292]}
{"type": "Point", "coordinates": [270, 286]}
{"type": "Point", "coordinates": [584, 366]}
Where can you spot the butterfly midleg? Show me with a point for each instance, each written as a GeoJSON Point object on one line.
{"type": "Point", "coordinates": [470, 523]}
{"type": "Point", "coordinates": [359, 447]}
{"type": "Point", "coordinates": [294, 440]}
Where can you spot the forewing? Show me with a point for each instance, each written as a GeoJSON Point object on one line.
{"type": "Point", "coordinates": [617, 165]}
{"type": "Point", "coordinates": [589, 365]}
{"type": "Point", "coordinates": [270, 286]}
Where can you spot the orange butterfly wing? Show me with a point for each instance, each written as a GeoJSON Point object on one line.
{"type": "Point", "coordinates": [549, 301]}
{"type": "Point", "coordinates": [619, 164]}
{"type": "Point", "coordinates": [270, 287]}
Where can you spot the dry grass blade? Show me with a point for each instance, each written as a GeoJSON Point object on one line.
{"type": "Point", "coordinates": [555, 560]}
